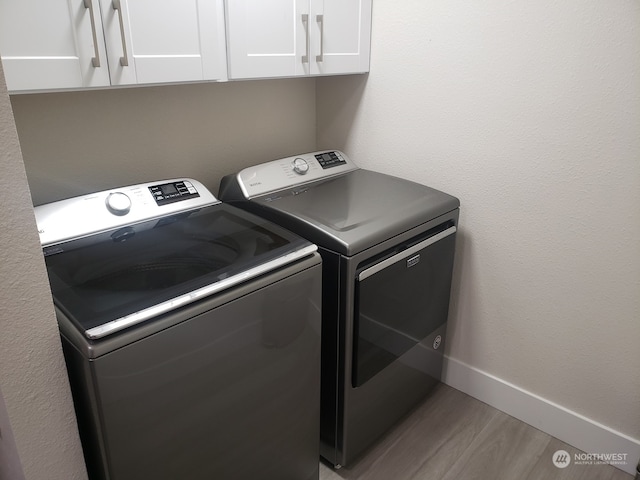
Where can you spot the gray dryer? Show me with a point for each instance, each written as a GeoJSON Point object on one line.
{"type": "Point", "coordinates": [388, 249]}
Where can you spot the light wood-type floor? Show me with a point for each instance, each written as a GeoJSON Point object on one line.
{"type": "Point", "coordinates": [453, 436]}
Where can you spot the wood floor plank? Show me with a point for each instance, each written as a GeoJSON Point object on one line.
{"type": "Point", "coordinates": [327, 473]}
{"type": "Point", "coordinates": [506, 449]}
{"type": "Point", "coordinates": [620, 475]}
{"type": "Point", "coordinates": [439, 430]}
{"type": "Point", "coordinates": [453, 436]}
{"type": "Point", "coordinates": [437, 434]}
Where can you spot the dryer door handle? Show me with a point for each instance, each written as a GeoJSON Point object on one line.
{"type": "Point", "coordinates": [405, 254]}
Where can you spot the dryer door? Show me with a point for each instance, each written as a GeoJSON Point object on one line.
{"type": "Point", "coordinates": [401, 298]}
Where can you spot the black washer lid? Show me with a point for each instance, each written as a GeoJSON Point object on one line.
{"type": "Point", "coordinates": [116, 279]}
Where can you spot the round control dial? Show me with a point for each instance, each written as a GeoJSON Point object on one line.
{"type": "Point", "coordinates": [300, 166]}
{"type": "Point", "coordinates": [118, 203]}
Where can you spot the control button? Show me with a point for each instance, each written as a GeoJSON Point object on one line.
{"type": "Point", "coordinates": [118, 203]}
{"type": "Point", "coordinates": [300, 166]}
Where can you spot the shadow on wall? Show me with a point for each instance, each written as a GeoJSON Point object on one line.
{"type": "Point", "coordinates": [78, 142]}
{"type": "Point", "coordinates": [10, 466]}
{"type": "Point", "coordinates": [338, 101]}
{"type": "Point", "coordinates": [459, 324]}
{"type": "Point", "coordinates": [339, 112]}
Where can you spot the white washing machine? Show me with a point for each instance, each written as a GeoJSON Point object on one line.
{"type": "Point", "coordinates": [191, 332]}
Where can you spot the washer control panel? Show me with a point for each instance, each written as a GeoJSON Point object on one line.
{"type": "Point", "coordinates": [292, 171]}
{"type": "Point", "coordinates": [330, 159]}
{"type": "Point", "coordinates": [173, 192]}
{"type": "Point", "coordinates": [97, 212]}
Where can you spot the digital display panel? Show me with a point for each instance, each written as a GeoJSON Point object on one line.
{"type": "Point", "coordinates": [172, 192]}
{"type": "Point", "coordinates": [330, 159]}
{"type": "Point", "coordinates": [168, 189]}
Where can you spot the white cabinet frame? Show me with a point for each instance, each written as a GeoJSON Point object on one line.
{"type": "Point", "coordinates": [285, 38]}
{"type": "Point", "coordinates": [71, 44]}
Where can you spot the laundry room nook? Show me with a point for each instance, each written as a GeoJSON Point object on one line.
{"type": "Point", "coordinates": [320, 240]}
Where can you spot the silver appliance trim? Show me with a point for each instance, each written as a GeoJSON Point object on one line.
{"type": "Point", "coordinates": [405, 253]}
{"type": "Point", "coordinates": [164, 307]}
{"type": "Point", "coordinates": [296, 186]}
{"type": "Point", "coordinates": [86, 215]}
{"type": "Point", "coordinates": [279, 175]}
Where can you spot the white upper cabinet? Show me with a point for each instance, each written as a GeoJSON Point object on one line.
{"type": "Point", "coordinates": [74, 44]}
{"type": "Point", "coordinates": [284, 38]}
{"type": "Point", "coordinates": [157, 41]}
{"type": "Point", "coordinates": [53, 44]}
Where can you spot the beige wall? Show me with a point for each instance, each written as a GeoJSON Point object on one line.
{"type": "Point", "coordinates": [10, 465]}
{"type": "Point", "coordinates": [80, 142]}
{"type": "Point", "coordinates": [37, 409]}
{"type": "Point", "coordinates": [529, 112]}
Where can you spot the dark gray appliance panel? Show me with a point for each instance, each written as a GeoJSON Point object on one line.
{"type": "Point", "coordinates": [401, 298]}
{"type": "Point", "coordinates": [352, 212]}
{"type": "Point", "coordinates": [368, 411]}
{"type": "Point", "coordinates": [238, 381]}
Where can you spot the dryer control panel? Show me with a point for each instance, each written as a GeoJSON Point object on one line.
{"type": "Point", "coordinates": [330, 159]}
{"type": "Point", "coordinates": [290, 172]}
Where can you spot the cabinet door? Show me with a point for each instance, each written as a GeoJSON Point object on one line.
{"type": "Point", "coordinates": [285, 38]}
{"type": "Point", "coordinates": [267, 38]}
{"type": "Point", "coordinates": [52, 44]}
{"type": "Point", "coordinates": [152, 41]}
{"type": "Point", "coordinates": [340, 32]}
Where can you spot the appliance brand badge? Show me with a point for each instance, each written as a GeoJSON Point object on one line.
{"type": "Point", "coordinates": [413, 261]}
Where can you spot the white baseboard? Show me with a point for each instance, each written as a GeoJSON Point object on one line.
{"type": "Point", "coordinates": [560, 422]}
